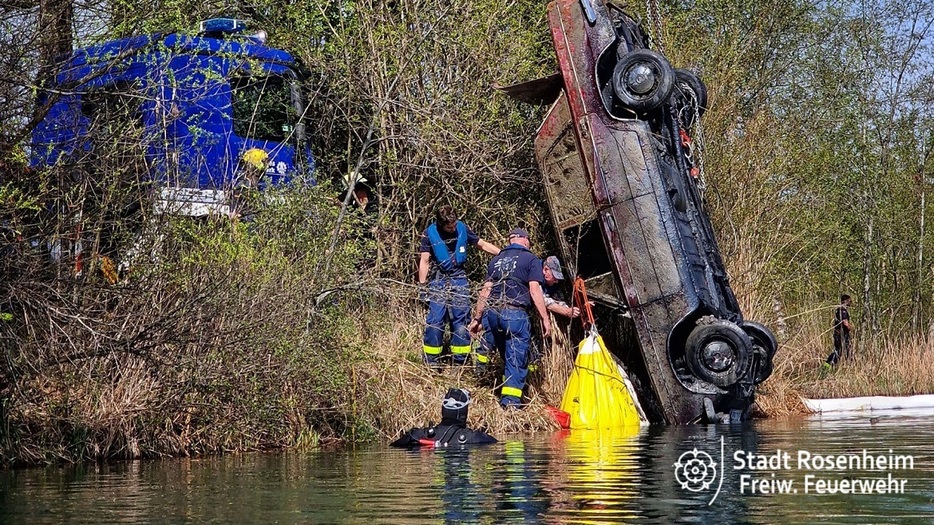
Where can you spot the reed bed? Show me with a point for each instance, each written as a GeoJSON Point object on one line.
{"type": "Point", "coordinates": [397, 391]}
{"type": "Point", "coordinates": [877, 366]}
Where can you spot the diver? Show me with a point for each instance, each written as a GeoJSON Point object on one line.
{"type": "Point", "coordinates": [452, 431]}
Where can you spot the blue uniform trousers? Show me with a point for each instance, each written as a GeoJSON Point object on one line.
{"type": "Point", "coordinates": [448, 303]}
{"type": "Point", "coordinates": [510, 332]}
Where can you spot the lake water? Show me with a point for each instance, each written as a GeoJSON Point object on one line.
{"type": "Point", "coordinates": [576, 477]}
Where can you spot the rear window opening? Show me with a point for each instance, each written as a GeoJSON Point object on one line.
{"type": "Point", "coordinates": [585, 243]}
{"type": "Point", "coordinates": [113, 108]}
{"type": "Point", "coordinates": [115, 127]}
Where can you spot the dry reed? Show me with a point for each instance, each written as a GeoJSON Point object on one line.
{"type": "Point", "coordinates": [397, 391]}
{"type": "Point", "coordinates": [877, 366]}
{"type": "Point", "coordinates": [402, 392]}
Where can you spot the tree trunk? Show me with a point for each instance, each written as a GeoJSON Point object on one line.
{"type": "Point", "coordinates": [916, 310]}
{"type": "Point", "coordinates": [56, 19]}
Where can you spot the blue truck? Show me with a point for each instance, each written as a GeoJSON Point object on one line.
{"type": "Point", "coordinates": [204, 107]}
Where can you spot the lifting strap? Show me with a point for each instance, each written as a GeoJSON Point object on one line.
{"type": "Point", "coordinates": [581, 300]}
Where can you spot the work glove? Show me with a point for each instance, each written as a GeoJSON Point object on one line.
{"type": "Point", "coordinates": [423, 293]}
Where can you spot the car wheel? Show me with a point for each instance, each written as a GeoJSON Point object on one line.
{"type": "Point", "coordinates": [643, 80]}
{"type": "Point", "coordinates": [764, 345]}
{"type": "Point", "coordinates": [692, 87]}
{"type": "Point", "coordinates": [719, 352]}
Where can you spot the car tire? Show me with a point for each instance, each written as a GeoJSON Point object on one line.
{"type": "Point", "coordinates": [643, 80]}
{"type": "Point", "coordinates": [764, 345]}
{"type": "Point", "coordinates": [719, 352]}
{"type": "Point", "coordinates": [691, 86]}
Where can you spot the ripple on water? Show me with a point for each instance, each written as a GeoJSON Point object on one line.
{"type": "Point", "coordinates": [567, 477]}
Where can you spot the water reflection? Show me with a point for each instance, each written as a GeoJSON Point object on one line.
{"type": "Point", "coordinates": [495, 485]}
{"type": "Point", "coordinates": [573, 477]}
{"type": "Point", "coordinates": [456, 472]}
{"type": "Point", "coordinates": [599, 472]}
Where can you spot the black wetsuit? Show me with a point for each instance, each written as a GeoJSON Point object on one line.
{"type": "Point", "coordinates": [450, 432]}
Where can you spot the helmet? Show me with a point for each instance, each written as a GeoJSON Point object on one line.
{"type": "Point", "coordinates": [256, 158]}
{"type": "Point", "coordinates": [454, 405]}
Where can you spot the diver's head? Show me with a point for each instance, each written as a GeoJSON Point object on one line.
{"type": "Point", "coordinates": [454, 405]}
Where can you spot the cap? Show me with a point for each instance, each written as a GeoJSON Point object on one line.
{"type": "Point", "coordinates": [554, 264]}
{"type": "Point", "coordinates": [519, 232]}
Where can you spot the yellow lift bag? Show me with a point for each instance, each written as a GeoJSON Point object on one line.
{"type": "Point", "coordinates": [599, 394]}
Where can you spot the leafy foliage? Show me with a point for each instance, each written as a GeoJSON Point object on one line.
{"type": "Point", "coordinates": [818, 143]}
{"type": "Point", "coordinates": [230, 335]}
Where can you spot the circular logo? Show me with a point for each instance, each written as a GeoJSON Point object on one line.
{"type": "Point", "coordinates": [695, 470]}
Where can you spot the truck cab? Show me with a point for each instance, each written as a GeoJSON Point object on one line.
{"type": "Point", "coordinates": [194, 105]}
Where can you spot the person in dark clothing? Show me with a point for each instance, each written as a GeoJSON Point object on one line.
{"type": "Point", "coordinates": [554, 302]}
{"type": "Point", "coordinates": [841, 332]}
{"type": "Point", "coordinates": [452, 431]}
{"type": "Point", "coordinates": [442, 253]}
{"type": "Point", "coordinates": [513, 285]}
{"type": "Point", "coordinates": [554, 298]}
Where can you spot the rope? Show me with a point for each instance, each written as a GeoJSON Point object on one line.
{"type": "Point", "coordinates": [580, 298]}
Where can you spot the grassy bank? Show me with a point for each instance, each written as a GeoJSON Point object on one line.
{"type": "Point", "coordinates": [879, 364]}
{"type": "Point", "coordinates": [271, 359]}
{"type": "Point", "coordinates": [222, 336]}
{"type": "Point", "coordinates": [228, 336]}
{"type": "Point", "coordinates": [396, 391]}
{"type": "Point", "coordinates": [897, 367]}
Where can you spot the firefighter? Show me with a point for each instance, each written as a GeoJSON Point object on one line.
{"type": "Point", "coordinates": [442, 253]}
{"type": "Point", "coordinates": [245, 198]}
{"type": "Point", "coordinates": [513, 285]}
{"type": "Point", "coordinates": [554, 300]}
{"type": "Point", "coordinates": [841, 333]}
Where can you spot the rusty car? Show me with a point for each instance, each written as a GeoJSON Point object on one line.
{"type": "Point", "coordinates": [625, 193]}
